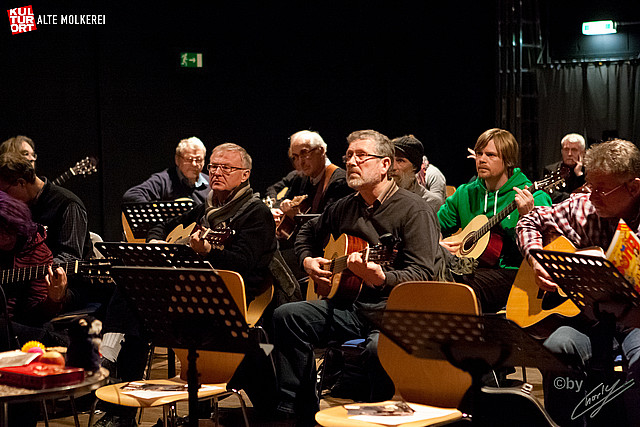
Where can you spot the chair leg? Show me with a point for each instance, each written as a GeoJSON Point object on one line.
{"type": "Point", "coordinates": [244, 407]}
{"type": "Point", "coordinates": [74, 410]}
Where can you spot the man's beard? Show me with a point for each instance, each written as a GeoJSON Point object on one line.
{"type": "Point", "coordinates": [404, 180]}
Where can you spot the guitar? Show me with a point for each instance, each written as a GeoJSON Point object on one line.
{"type": "Point", "coordinates": [217, 237]}
{"type": "Point", "coordinates": [528, 305]}
{"type": "Point", "coordinates": [475, 239]}
{"type": "Point", "coordinates": [96, 269]}
{"type": "Point", "coordinates": [287, 225]}
{"type": "Point", "coordinates": [84, 167]}
{"type": "Point", "coordinates": [346, 286]}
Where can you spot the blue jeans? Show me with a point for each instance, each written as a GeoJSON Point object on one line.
{"type": "Point", "coordinates": [565, 393]}
{"type": "Point", "coordinates": [299, 328]}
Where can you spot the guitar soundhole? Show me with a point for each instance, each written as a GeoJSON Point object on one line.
{"type": "Point", "coordinates": [468, 244]}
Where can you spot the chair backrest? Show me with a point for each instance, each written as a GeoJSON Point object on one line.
{"type": "Point", "coordinates": [426, 381]}
{"type": "Point", "coordinates": [214, 366]}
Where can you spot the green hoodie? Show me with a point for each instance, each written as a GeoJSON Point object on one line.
{"type": "Point", "coordinates": [473, 199]}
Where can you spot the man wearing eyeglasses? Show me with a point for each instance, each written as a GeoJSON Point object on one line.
{"type": "Point", "coordinates": [319, 180]}
{"type": "Point", "coordinates": [379, 207]}
{"type": "Point", "coordinates": [185, 180]}
{"type": "Point", "coordinates": [589, 219]}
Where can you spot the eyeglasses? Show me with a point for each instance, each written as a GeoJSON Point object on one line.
{"type": "Point", "coordinates": [304, 154]}
{"type": "Point", "coordinates": [27, 155]}
{"type": "Point", "coordinates": [196, 160]}
{"type": "Point", "coordinates": [226, 169]}
{"type": "Point", "coordinates": [361, 157]}
{"type": "Point", "coordinates": [600, 193]}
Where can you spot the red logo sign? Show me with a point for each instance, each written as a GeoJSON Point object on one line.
{"type": "Point", "coordinates": [22, 19]}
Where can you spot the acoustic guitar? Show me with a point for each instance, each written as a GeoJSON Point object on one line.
{"type": "Point", "coordinates": [287, 226]}
{"type": "Point", "coordinates": [216, 237]}
{"type": "Point", "coordinates": [475, 239]}
{"type": "Point", "coordinates": [346, 286]}
{"type": "Point", "coordinates": [539, 311]}
{"type": "Point", "coordinates": [83, 168]}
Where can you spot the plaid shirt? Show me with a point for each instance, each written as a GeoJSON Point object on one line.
{"type": "Point", "coordinates": [575, 218]}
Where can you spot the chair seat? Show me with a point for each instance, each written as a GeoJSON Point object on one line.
{"type": "Point", "coordinates": [114, 394]}
{"type": "Point", "coordinates": [337, 417]}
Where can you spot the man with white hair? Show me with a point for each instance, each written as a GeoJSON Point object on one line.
{"type": "Point", "coordinates": [186, 180]}
{"type": "Point", "coordinates": [573, 149]}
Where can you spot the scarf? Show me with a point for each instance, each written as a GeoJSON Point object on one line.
{"type": "Point", "coordinates": [215, 216]}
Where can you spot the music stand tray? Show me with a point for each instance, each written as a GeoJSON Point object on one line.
{"type": "Point", "coordinates": [141, 217]}
{"type": "Point", "coordinates": [152, 254]}
{"type": "Point", "coordinates": [186, 308]}
{"type": "Point", "coordinates": [594, 284]}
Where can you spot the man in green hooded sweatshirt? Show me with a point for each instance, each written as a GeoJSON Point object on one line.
{"type": "Point", "coordinates": [500, 182]}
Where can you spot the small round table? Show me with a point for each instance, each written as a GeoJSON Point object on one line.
{"type": "Point", "coordinates": [9, 394]}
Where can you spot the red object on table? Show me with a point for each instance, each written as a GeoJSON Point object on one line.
{"type": "Point", "coordinates": [40, 376]}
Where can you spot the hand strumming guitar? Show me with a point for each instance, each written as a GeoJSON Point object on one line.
{"type": "Point", "coordinates": [542, 278]}
{"type": "Point", "coordinates": [451, 246]}
{"type": "Point", "coordinates": [368, 271]}
{"type": "Point", "coordinates": [320, 277]}
{"type": "Point", "coordinates": [289, 208]}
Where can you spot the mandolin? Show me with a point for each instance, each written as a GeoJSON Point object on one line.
{"type": "Point", "coordinates": [475, 239]}
{"type": "Point", "coordinates": [346, 286]}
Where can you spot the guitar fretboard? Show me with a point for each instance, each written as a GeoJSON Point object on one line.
{"type": "Point", "coordinates": [23, 274]}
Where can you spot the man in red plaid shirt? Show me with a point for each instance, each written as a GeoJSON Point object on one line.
{"type": "Point", "coordinates": [588, 219]}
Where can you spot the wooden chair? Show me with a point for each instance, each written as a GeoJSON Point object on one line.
{"type": "Point", "coordinates": [214, 368]}
{"type": "Point", "coordinates": [431, 384]}
{"type": "Point", "coordinates": [450, 190]}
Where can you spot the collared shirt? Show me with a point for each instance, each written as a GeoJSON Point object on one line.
{"type": "Point", "coordinates": [575, 218]}
{"type": "Point", "coordinates": [201, 182]}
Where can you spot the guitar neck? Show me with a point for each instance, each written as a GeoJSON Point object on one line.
{"type": "Point", "coordinates": [23, 274]}
{"type": "Point", "coordinates": [496, 219]}
{"type": "Point", "coordinates": [62, 178]}
{"type": "Point", "coordinates": [339, 264]}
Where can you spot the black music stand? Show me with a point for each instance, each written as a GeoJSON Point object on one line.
{"type": "Point", "coordinates": [187, 308]}
{"type": "Point", "coordinates": [152, 254]}
{"type": "Point", "coordinates": [601, 293]}
{"type": "Point", "coordinates": [141, 217]}
{"type": "Point", "coordinates": [475, 344]}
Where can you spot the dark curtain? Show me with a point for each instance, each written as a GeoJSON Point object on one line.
{"type": "Point", "coordinates": [587, 98]}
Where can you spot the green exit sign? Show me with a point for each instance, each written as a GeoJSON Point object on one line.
{"type": "Point", "coordinates": [191, 60]}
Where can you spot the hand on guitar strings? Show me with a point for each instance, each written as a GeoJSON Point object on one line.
{"type": "Point", "coordinates": [542, 278]}
{"type": "Point", "coordinates": [524, 200]}
{"type": "Point", "coordinates": [321, 277]}
{"type": "Point", "coordinates": [451, 246]}
{"type": "Point", "coordinates": [289, 208]}
{"type": "Point", "coordinates": [198, 244]}
{"type": "Point", "coordinates": [56, 284]}
{"type": "Point", "coordinates": [368, 271]}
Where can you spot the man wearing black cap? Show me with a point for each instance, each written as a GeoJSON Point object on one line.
{"type": "Point", "coordinates": [408, 161]}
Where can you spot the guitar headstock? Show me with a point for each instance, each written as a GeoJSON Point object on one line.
{"type": "Point", "coordinates": [550, 182]}
{"type": "Point", "coordinates": [217, 237]}
{"type": "Point", "coordinates": [85, 167]}
{"type": "Point", "coordinates": [97, 268]}
{"type": "Point", "coordinates": [386, 251]}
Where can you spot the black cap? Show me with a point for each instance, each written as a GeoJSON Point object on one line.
{"type": "Point", "coordinates": [412, 149]}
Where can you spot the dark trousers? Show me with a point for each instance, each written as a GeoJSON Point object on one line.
{"type": "Point", "coordinates": [491, 285]}
{"type": "Point", "coordinates": [299, 328]}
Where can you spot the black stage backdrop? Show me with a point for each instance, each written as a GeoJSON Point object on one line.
{"type": "Point", "coordinates": [116, 91]}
